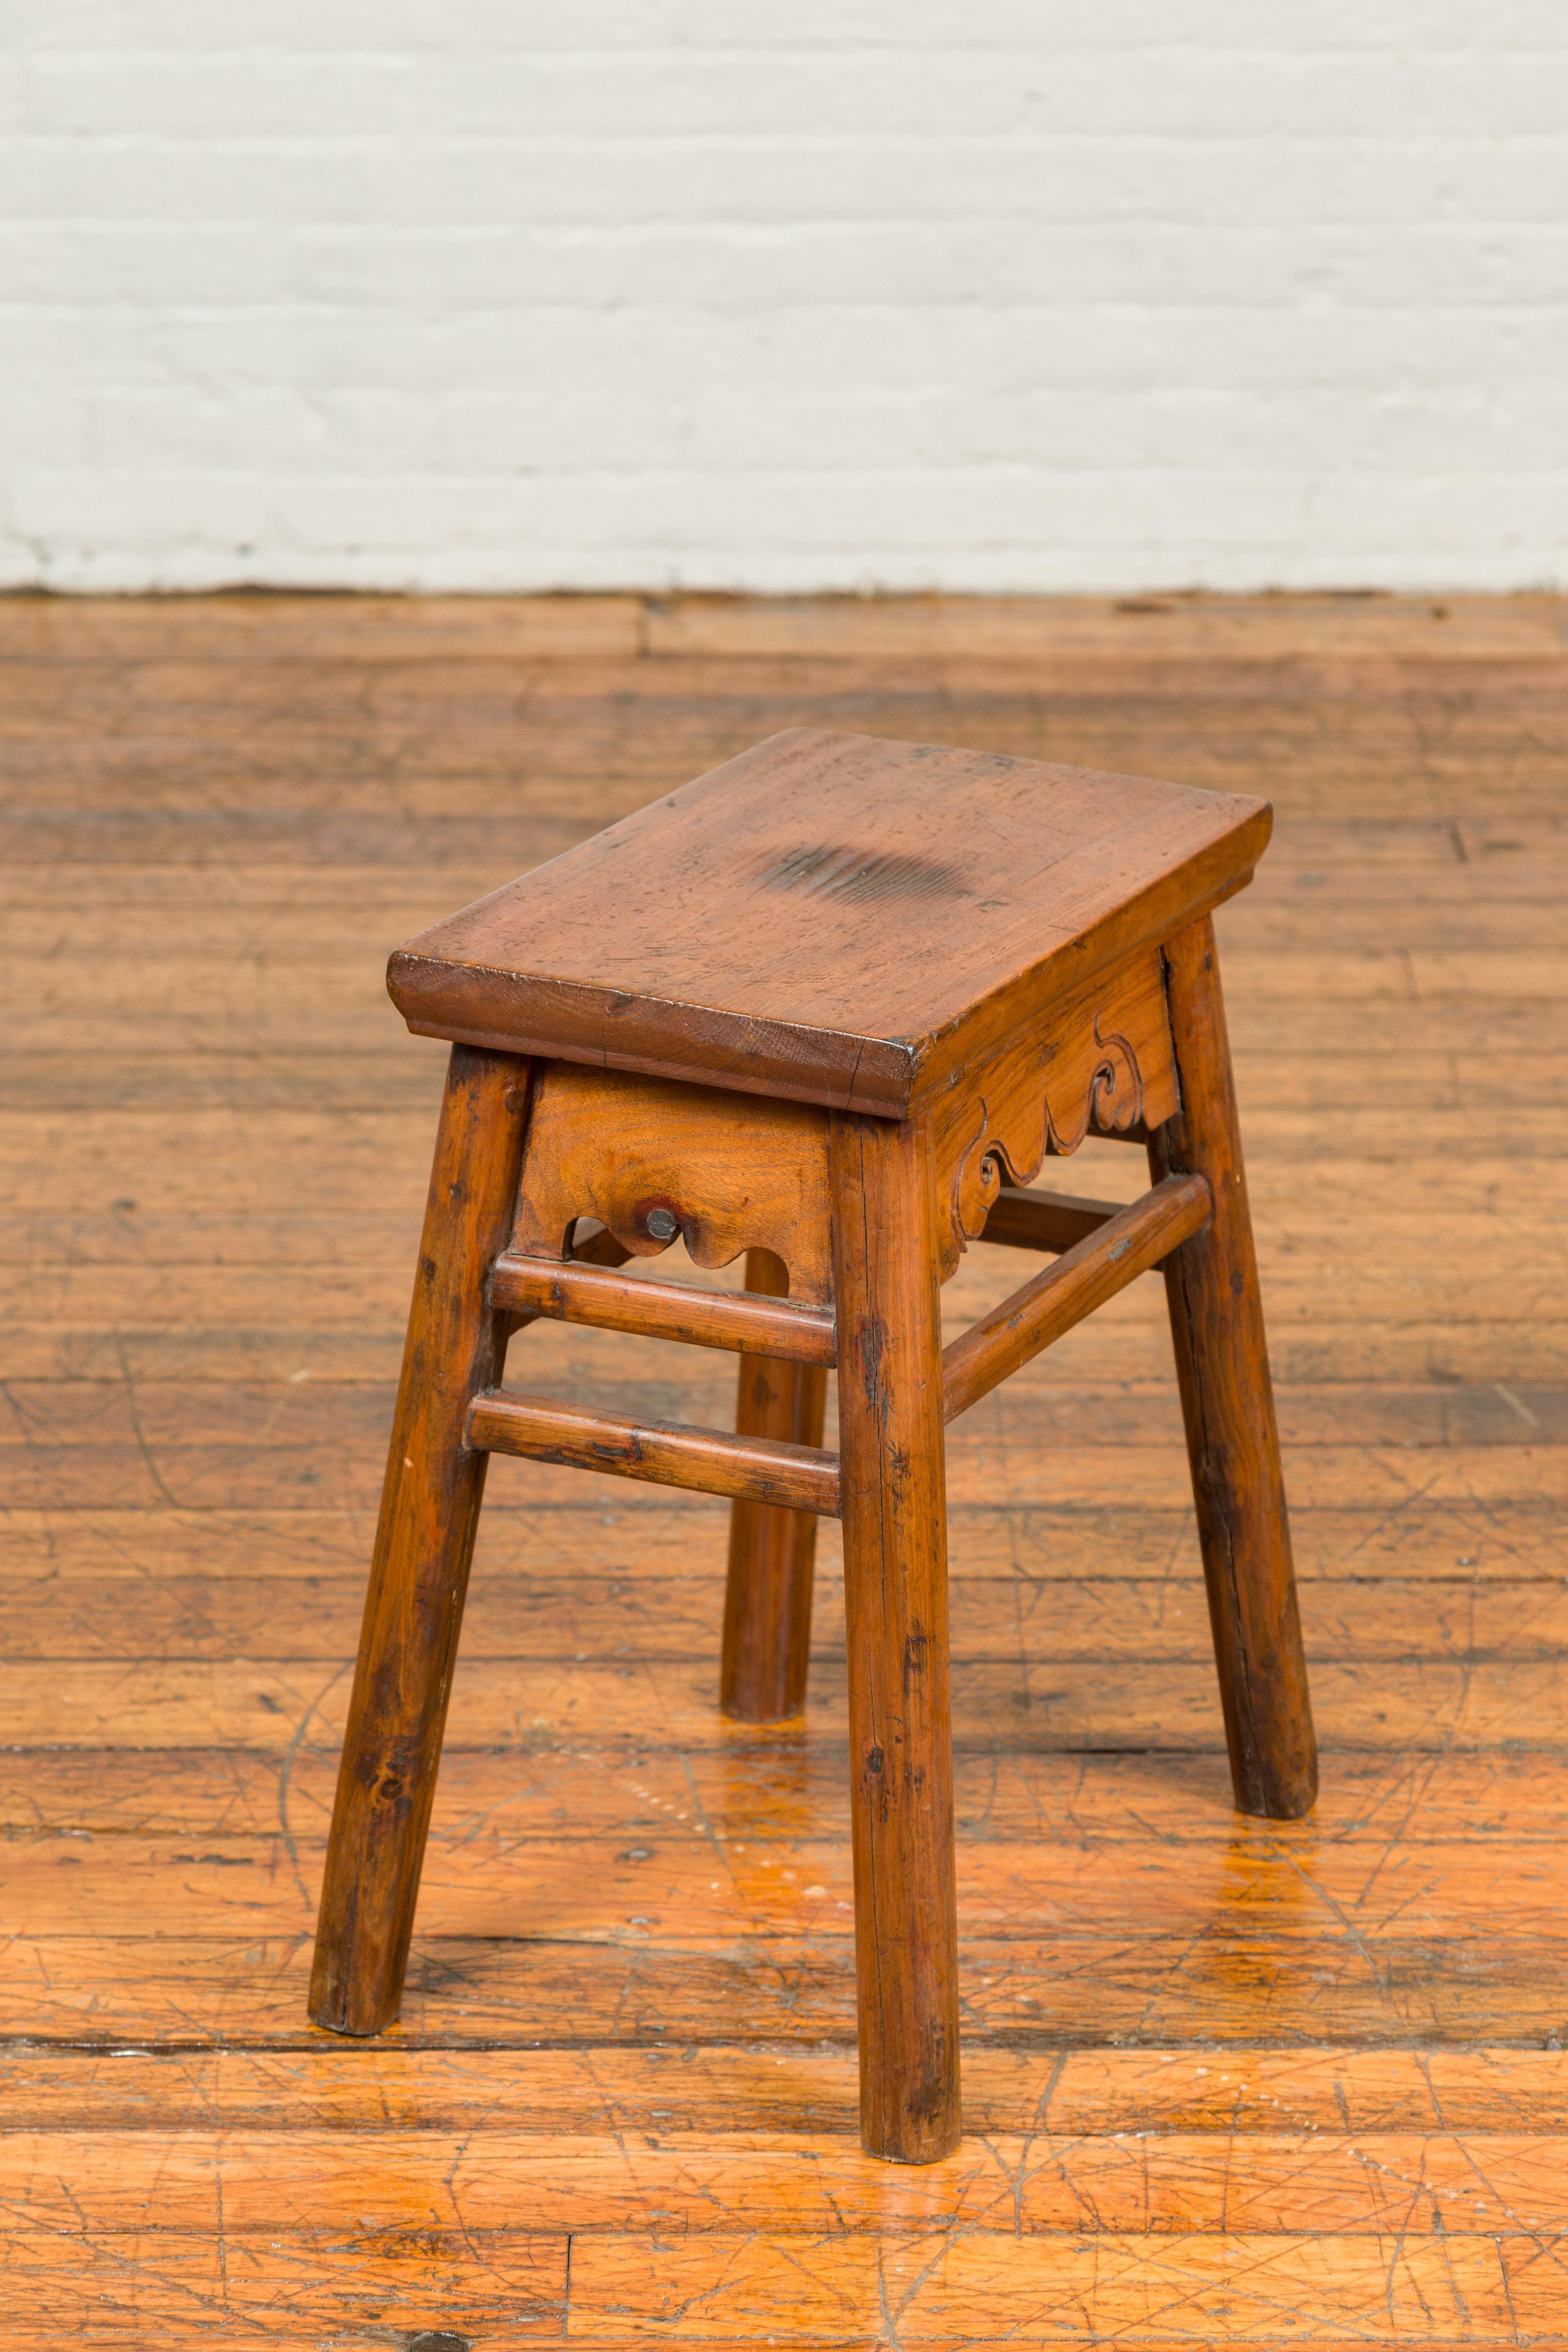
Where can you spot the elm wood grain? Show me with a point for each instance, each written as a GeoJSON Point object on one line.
{"type": "Point", "coordinates": [1227, 1402]}
{"type": "Point", "coordinates": [425, 1541]}
{"type": "Point", "coordinates": [765, 1653]}
{"type": "Point", "coordinates": [742, 1321]}
{"type": "Point", "coordinates": [656, 1162]}
{"type": "Point", "coordinates": [1083, 1278]}
{"type": "Point", "coordinates": [543, 1429]}
{"type": "Point", "coordinates": [886, 1278]}
{"type": "Point", "coordinates": [1044, 1221]}
{"type": "Point", "coordinates": [783, 927]}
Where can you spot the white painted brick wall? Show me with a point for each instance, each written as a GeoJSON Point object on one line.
{"type": "Point", "coordinates": [981, 294]}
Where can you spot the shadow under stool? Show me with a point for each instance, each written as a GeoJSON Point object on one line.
{"type": "Point", "coordinates": [831, 1005]}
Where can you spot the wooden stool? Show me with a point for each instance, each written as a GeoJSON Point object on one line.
{"type": "Point", "coordinates": [830, 1005]}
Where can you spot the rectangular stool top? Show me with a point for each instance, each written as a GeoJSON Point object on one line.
{"type": "Point", "coordinates": [833, 918]}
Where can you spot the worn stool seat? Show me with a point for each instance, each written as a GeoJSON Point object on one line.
{"type": "Point", "coordinates": [829, 1007]}
{"type": "Point", "coordinates": [829, 918]}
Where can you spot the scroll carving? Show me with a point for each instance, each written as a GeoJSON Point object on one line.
{"type": "Point", "coordinates": [1112, 1102]}
{"type": "Point", "coordinates": [1103, 1061]}
{"type": "Point", "coordinates": [656, 1162]}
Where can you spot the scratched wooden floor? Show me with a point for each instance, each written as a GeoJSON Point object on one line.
{"type": "Point", "coordinates": [1224, 2083]}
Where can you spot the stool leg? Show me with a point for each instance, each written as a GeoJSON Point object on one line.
{"type": "Point", "coordinates": [429, 1511]}
{"type": "Point", "coordinates": [895, 1589]}
{"type": "Point", "coordinates": [1228, 1401]}
{"type": "Point", "coordinates": [773, 1553]}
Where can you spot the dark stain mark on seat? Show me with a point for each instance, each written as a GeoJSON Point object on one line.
{"type": "Point", "coordinates": [836, 871]}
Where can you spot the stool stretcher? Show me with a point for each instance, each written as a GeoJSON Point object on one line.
{"type": "Point", "coordinates": [1114, 1255]}
{"type": "Point", "coordinates": [1044, 1220]}
{"type": "Point", "coordinates": [749, 1325]}
{"type": "Point", "coordinates": [666, 1452]}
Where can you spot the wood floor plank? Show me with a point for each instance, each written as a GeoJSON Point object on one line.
{"type": "Point", "coordinates": [633, 1614]}
{"type": "Point", "coordinates": [666, 2184]}
{"type": "Point", "coordinates": [1043, 1417]}
{"type": "Point", "coordinates": [769, 1792]}
{"type": "Point", "coordinates": [1468, 1205]}
{"type": "Point", "coordinates": [688, 1892]}
{"type": "Point", "coordinates": [1149, 1989]}
{"type": "Point", "coordinates": [1322, 627]}
{"type": "Point", "coordinates": [1454, 887]}
{"type": "Point", "coordinates": [1130, 1347]}
{"type": "Point", "coordinates": [41, 1475]}
{"type": "Point", "coordinates": [780, 1789]}
{"type": "Point", "coordinates": [1426, 1704]}
{"type": "Point", "coordinates": [1457, 1541]}
{"type": "Point", "coordinates": [1516, 1357]}
{"type": "Point", "coordinates": [851, 2290]}
{"type": "Point", "coordinates": [977, 2289]}
{"type": "Point", "coordinates": [1209, 2094]}
{"type": "Point", "coordinates": [203, 2288]}
{"type": "Point", "coordinates": [1513, 1029]}
{"type": "Point", "coordinates": [274, 997]}
{"type": "Point", "coordinates": [355, 1158]}
{"type": "Point", "coordinates": [282, 629]}
{"type": "Point", "coordinates": [1261, 934]}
